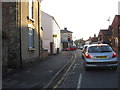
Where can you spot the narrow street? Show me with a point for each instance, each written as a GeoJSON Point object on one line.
{"type": "Point", "coordinates": [95, 78]}
{"type": "Point", "coordinates": [52, 43]}
{"type": "Point", "coordinates": [74, 76]}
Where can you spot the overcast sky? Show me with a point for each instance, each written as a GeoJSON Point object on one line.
{"type": "Point", "coordinates": [83, 17]}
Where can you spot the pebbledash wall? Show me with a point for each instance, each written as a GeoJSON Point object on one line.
{"type": "Point", "coordinates": [16, 26]}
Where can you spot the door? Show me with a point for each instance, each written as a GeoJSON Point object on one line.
{"type": "Point", "coordinates": [51, 47]}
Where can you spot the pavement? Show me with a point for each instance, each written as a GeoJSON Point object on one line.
{"type": "Point", "coordinates": [38, 75]}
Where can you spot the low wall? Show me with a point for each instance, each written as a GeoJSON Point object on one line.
{"type": "Point", "coordinates": [44, 54]}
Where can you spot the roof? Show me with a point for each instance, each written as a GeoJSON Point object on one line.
{"type": "Point", "coordinates": [98, 44]}
{"type": "Point", "coordinates": [116, 21]}
{"type": "Point", "coordinates": [104, 32]}
{"type": "Point", "coordinates": [51, 17]}
{"type": "Point", "coordinates": [66, 31]}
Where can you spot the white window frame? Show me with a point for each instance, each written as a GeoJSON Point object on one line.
{"type": "Point", "coordinates": [31, 11]}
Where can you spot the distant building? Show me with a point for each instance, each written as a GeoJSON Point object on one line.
{"type": "Point", "coordinates": [20, 33]}
{"type": "Point", "coordinates": [94, 39]}
{"type": "Point", "coordinates": [115, 32]}
{"type": "Point", "coordinates": [91, 40]}
{"type": "Point", "coordinates": [64, 38]}
{"type": "Point", "coordinates": [51, 34]}
{"type": "Point", "coordinates": [104, 36]}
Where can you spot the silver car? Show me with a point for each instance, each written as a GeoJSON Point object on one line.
{"type": "Point", "coordinates": [100, 55]}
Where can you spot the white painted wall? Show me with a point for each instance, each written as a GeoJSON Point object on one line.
{"type": "Point", "coordinates": [56, 31]}
{"type": "Point", "coordinates": [50, 28]}
{"type": "Point", "coordinates": [47, 27]}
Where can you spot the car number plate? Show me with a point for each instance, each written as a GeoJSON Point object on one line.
{"type": "Point", "coordinates": [101, 57]}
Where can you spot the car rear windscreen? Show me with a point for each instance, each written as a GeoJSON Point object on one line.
{"type": "Point", "coordinates": [97, 49]}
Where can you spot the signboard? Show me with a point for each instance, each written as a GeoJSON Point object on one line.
{"type": "Point", "coordinates": [54, 35]}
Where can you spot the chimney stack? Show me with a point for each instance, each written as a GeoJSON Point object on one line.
{"type": "Point", "coordinates": [65, 28]}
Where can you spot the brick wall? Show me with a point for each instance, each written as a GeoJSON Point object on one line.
{"type": "Point", "coordinates": [115, 33]}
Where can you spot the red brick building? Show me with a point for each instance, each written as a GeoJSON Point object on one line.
{"type": "Point", "coordinates": [115, 32]}
{"type": "Point", "coordinates": [104, 36]}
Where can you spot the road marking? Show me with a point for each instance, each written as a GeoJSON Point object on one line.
{"type": "Point", "coordinates": [57, 74]}
{"type": "Point", "coordinates": [67, 72]}
{"type": "Point", "coordinates": [79, 82]}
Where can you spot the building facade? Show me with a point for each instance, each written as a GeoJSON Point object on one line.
{"type": "Point", "coordinates": [104, 36]}
{"type": "Point", "coordinates": [20, 33]}
{"type": "Point", "coordinates": [65, 34]}
{"type": "Point", "coordinates": [115, 33]}
{"type": "Point", "coordinates": [51, 34]}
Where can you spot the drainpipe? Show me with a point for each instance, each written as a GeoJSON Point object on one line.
{"type": "Point", "coordinates": [39, 25]}
{"type": "Point", "coordinates": [19, 15]}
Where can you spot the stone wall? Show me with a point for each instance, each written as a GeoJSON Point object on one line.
{"type": "Point", "coordinates": [10, 36]}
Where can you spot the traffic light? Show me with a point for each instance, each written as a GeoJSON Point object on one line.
{"type": "Point", "coordinates": [69, 38]}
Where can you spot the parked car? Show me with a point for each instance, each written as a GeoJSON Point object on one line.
{"type": "Point", "coordinates": [100, 55]}
{"type": "Point", "coordinates": [72, 48]}
{"type": "Point", "coordinates": [80, 47]}
{"type": "Point", "coordinates": [84, 50]}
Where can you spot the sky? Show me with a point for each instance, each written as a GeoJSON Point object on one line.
{"type": "Point", "coordinates": [83, 17]}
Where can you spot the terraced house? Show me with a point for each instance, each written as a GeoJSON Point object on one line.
{"type": "Point", "coordinates": [115, 32]}
{"type": "Point", "coordinates": [64, 38]}
{"type": "Point", "coordinates": [51, 34]}
{"type": "Point", "coordinates": [21, 33]}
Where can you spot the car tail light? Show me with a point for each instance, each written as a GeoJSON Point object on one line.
{"type": "Point", "coordinates": [114, 55]}
{"type": "Point", "coordinates": [87, 55]}
{"type": "Point", "coordinates": [99, 45]}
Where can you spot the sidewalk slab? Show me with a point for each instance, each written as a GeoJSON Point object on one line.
{"type": "Point", "coordinates": [38, 75]}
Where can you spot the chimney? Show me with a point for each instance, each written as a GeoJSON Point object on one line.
{"type": "Point", "coordinates": [65, 28]}
{"type": "Point", "coordinates": [94, 35]}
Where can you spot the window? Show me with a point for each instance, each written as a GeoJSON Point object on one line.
{"type": "Point", "coordinates": [116, 42]}
{"type": "Point", "coordinates": [31, 9]}
{"type": "Point", "coordinates": [97, 49]}
{"type": "Point", "coordinates": [31, 38]}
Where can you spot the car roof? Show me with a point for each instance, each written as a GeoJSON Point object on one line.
{"type": "Point", "coordinates": [98, 44]}
{"type": "Point", "coordinates": [86, 45]}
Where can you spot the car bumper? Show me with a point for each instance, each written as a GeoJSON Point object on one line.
{"type": "Point", "coordinates": [108, 65]}
{"type": "Point", "coordinates": [101, 63]}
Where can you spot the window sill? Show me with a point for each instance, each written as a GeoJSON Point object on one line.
{"type": "Point", "coordinates": [32, 20]}
{"type": "Point", "coordinates": [31, 49]}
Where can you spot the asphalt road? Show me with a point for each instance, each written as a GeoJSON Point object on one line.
{"type": "Point", "coordinates": [95, 78]}
{"type": "Point", "coordinates": [39, 75]}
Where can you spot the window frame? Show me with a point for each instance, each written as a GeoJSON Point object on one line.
{"type": "Point", "coordinates": [31, 9]}
{"type": "Point", "coordinates": [31, 39]}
